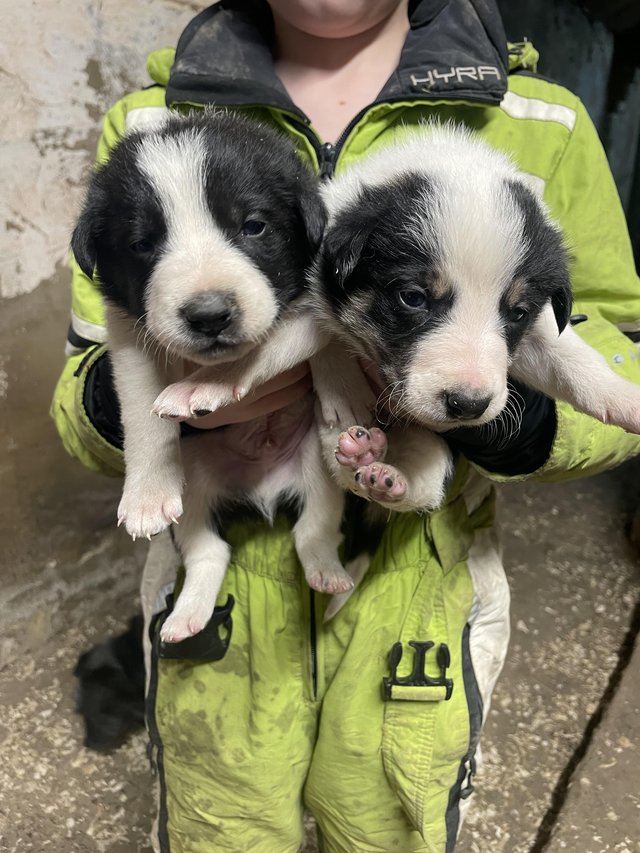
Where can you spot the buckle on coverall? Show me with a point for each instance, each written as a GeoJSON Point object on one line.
{"type": "Point", "coordinates": [209, 644]}
{"type": "Point", "coordinates": [418, 686]}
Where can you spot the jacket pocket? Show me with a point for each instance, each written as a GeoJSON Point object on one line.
{"type": "Point", "coordinates": [432, 722]}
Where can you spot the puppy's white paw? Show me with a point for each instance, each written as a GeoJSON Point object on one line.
{"type": "Point", "coordinates": [330, 579]}
{"type": "Point", "coordinates": [357, 407]}
{"type": "Point", "coordinates": [145, 512]}
{"type": "Point", "coordinates": [184, 400]}
{"type": "Point", "coordinates": [174, 403]}
{"type": "Point", "coordinates": [186, 621]}
{"type": "Point", "coordinates": [358, 446]}
{"type": "Point", "coordinates": [624, 412]}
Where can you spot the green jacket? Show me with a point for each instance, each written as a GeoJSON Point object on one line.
{"type": "Point", "coordinates": [496, 92]}
{"type": "Point", "coordinates": [435, 578]}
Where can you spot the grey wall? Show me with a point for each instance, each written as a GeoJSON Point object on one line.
{"type": "Point", "coordinates": [61, 67]}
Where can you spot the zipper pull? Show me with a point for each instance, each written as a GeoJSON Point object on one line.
{"type": "Point", "coordinates": [326, 160]}
{"type": "Point", "coordinates": [152, 757]}
{"type": "Point", "coordinates": [467, 789]}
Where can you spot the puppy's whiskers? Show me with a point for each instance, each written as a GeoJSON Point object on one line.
{"type": "Point", "coordinates": [390, 401]}
{"type": "Point", "coordinates": [506, 426]}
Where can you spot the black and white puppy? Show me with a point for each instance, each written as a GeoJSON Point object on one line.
{"type": "Point", "coordinates": [200, 233]}
{"type": "Point", "coordinates": [442, 267]}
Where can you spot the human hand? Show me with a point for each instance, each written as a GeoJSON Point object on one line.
{"type": "Point", "coordinates": [275, 394]}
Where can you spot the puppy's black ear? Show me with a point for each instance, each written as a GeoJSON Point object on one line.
{"type": "Point", "coordinates": [342, 252]}
{"type": "Point", "coordinates": [83, 240]}
{"type": "Point", "coordinates": [344, 244]}
{"type": "Point", "coordinates": [314, 218]}
{"type": "Point", "coordinates": [561, 301]}
{"type": "Point", "coordinates": [86, 232]}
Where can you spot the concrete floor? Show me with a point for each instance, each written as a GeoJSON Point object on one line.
{"type": "Point", "coordinates": [561, 745]}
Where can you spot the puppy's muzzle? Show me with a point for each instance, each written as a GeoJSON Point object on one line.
{"type": "Point", "coordinates": [210, 314]}
{"type": "Point", "coordinates": [465, 406]}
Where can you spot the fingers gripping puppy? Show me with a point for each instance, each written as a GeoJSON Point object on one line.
{"type": "Point", "coordinates": [442, 267]}
{"type": "Point", "coordinates": [200, 233]}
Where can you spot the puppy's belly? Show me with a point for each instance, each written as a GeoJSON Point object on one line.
{"type": "Point", "coordinates": [252, 456]}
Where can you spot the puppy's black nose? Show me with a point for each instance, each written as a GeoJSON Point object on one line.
{"type": "Point", "coordinates": [465, 407]}
{"type": "Point", "coordinates": [210, 313]}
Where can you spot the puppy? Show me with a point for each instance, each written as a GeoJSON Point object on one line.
{"type": "Point", "coordinates": [200, 233]}
{"type": "Point", "coordinates": [442, 268]}
{"type": "Point", "coordinates": [110, 694]}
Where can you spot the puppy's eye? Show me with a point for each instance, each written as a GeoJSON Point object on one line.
{"type": "Point", "coordinates": [411, 297]}
{"type": "Point", "coordinates": [143, 247]}
{"type": "Point", "coordinates": [517, 314]}
{"type": "Point", "coordinates": [252, 228]}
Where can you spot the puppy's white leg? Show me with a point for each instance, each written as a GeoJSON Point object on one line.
{"type": "Point", "coordinates": [210, 388]}
{"type": "Point", "coordinates": [206, 557]}
{"type": "Point", "coordinates": [356, 569]}
{"type": "Point", "coordinates": [566, 368]}
{"type": "Point", "coordinates": [344, 395]}
{"type": "Point", "coordinates": [151, 497]}
{"type": "Point", "coordinates": [317, 531]}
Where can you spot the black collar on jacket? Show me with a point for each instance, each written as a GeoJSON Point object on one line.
{"type": "Point", "coordinates": [455, 49]}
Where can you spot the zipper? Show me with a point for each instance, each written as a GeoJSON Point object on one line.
{"type": "Point", "coordinates": [152, 757]}
{"type": "Point", "coordinates": [327, 153]}
{"type": "Point", "coordinates": [467, 788]}
{"type": "Point", "coordinates": [313, 644]}
{"type": "Point", "coordinates": [326, 161]}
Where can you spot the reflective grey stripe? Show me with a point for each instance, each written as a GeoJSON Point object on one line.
{"type": "Point", "coordinates": [146, 118]}
{"type": "Point", "coordinates": [631, 330]}
{"type": "Point", "coordinates": [467, 767]}
{"type": "Point", "coordinates": [77, 341]}
{"type": "Point", "coordinates": [89, 331]}
{"type": "Point", "coordinates": [519, 107]}
{"type": "Point", "coordinates": [70, 349]}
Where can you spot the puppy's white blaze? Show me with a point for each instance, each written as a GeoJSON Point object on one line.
{"type": "Point", "coordinates": [197, 255]}
{"type": "Point", "coordinates": [467, 353]}
{"type": "Point", "coordinates": [475, 230]}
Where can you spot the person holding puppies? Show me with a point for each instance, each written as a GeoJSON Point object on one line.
{"type": "Point", "coordinates": [370, 720]}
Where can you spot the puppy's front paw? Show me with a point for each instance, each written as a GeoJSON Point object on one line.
{"type": "Point", "coordinates": [358, 446]}
{"type": "Point", "coordinates": [145, 512]}
{"type": "Point", "coordinates": [184, 400]}
{"type": "Point", "coordinates": [624, 412]}
{"type": "Point", "coordinates": [355, 408]}
{"type": "Point", "coordinates": [380, 483]}
{"type": "Point", "coordinates": [174, 403]}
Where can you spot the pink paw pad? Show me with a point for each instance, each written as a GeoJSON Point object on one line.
{"type": "Point", "coordinates": [358, 446]}
{"type": "Point", "coordinates": [381, 483]}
